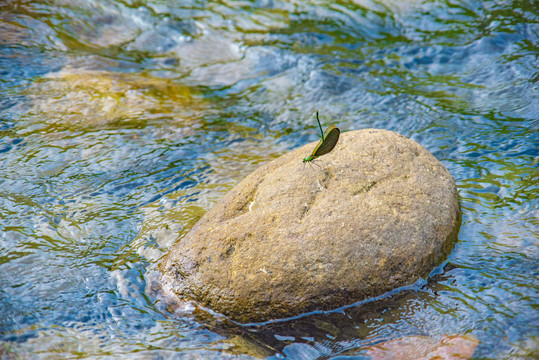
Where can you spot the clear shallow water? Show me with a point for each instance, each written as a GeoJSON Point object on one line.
{"type": "Point", "coordinates": [122, 122]}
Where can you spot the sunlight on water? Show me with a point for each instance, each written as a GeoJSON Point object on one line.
{"type": "Point", "coordinates": [123, 122]}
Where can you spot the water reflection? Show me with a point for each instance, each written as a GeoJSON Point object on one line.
{"type": "Point", "coordinates": [122, 122]}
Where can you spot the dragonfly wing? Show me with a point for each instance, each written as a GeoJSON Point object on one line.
{"type": "Point", "coordinates": [329, 129]}
{"type": "Point", "coordinates": [313, 154]}
{"type": "Point", "coordinates": [331, 136]}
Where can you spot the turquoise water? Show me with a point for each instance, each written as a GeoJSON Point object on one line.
{"type": "Point", "coordinates": [122, 122]}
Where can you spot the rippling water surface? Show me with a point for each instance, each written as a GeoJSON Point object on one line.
{"type": "Point", "coordinates": [122, 122]}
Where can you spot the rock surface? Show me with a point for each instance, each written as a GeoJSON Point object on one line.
{"type": "Point", "coordinates": [377, 213]}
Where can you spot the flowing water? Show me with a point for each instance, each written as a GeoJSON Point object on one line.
{"type": "Point", "coordinates": [123, 121]}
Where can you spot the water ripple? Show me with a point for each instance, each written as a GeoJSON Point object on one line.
{"type": "Point", "coordinates": [123, 122]}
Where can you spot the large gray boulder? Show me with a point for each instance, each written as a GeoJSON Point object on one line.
{"type": "Point", "coordinates": [377, 213]}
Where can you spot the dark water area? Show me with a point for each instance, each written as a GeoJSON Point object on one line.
{"type": "Point", "coordinates": [122, 122]}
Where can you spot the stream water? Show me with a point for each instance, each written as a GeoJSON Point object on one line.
{"type": "Point", "coordinates": [123, 121]}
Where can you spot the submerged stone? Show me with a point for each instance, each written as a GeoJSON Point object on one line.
{"type": "Point", "coordinates": [449, 347]}
{"type": "Point", "coordinates": [78, 99]}
{"type": "Point", "coordinates": [377, 213]}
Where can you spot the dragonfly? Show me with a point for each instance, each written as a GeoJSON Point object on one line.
{"type": "Point", "coordinates": [327, 143]}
